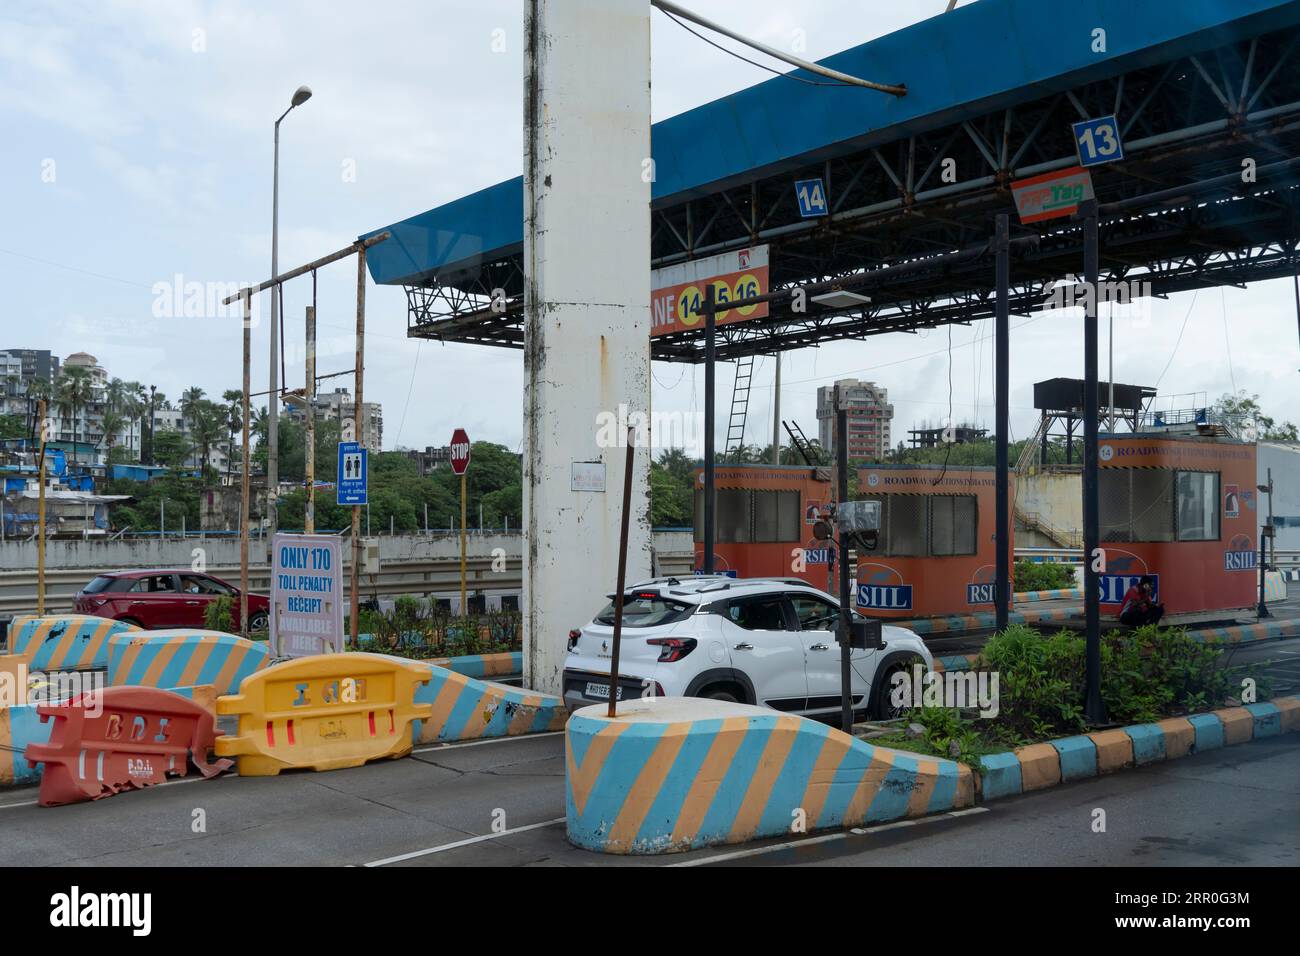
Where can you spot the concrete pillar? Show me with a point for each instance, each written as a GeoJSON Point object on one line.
{"type": "Point", "coordinates": [587, 308]}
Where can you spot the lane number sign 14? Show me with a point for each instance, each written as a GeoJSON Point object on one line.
{"type": "Point", "coordinates": [812, 197]}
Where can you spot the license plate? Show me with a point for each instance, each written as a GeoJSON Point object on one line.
{"type": "Point", "coordinates": [602, 691]}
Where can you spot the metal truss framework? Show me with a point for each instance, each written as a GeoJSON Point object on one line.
{"type": "Point", "coordinates": [1166, 220]}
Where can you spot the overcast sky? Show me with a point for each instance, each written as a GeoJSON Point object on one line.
{"type": "Point", "coordinates": [137, 148]}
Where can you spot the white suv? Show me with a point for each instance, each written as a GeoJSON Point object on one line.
{"type": "Point", "coordinates": [756, 641]}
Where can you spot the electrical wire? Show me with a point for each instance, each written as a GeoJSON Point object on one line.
{"type": "Point", "coordinates": [761, 66]}
{"type": "Point", "coordinates": [1180, 337]}
{"type": "Point", "coordinates": [414, 365]}
{"type": "Point", "coordinates": [1227, 340]}
{"type": "Point", "coordinates": [949, 423]}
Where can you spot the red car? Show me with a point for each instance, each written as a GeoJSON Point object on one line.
{"type": "Point", "coordinates": [154, 598]}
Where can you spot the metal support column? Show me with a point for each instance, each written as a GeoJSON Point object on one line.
{"type": "Point", "coordinates": [846, 611]}
{"type": "Point", "coordinates": [1002, 509]}
{"type": "Point", "coordinates": [1093, 708]}
{"type": "Point", "coordinates": [710, 361]}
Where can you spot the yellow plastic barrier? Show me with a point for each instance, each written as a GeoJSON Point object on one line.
{"type": "Point", "coordinates": [324, 713]}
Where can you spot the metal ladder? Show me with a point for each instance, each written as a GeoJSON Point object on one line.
{"type": "Point", "coordinates": [739, 404]}
{"type": "Point", "coordinates": [801, 444]}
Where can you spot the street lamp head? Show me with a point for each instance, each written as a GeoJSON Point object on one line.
{"type": "Point", "coordinates": [301, 95]}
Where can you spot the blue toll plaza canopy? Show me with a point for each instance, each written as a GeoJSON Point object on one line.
{"type": "Point", "coordinates": [958, 65]}
{"type": "Point", "coordinates": [1198, 91]}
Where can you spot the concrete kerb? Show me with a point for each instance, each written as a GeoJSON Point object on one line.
{"type": "Point", "coordinates": [1074, 758]}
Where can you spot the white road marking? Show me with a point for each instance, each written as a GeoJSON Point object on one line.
{"type": "Point", "coordinates": [490, 740]}
{"type": "Point", "coordinates": [827, 838]}
{"type": "Point", "coordinates": [460, 843]}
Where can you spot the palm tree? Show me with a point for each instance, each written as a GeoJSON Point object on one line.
{"type": "Point", "coordinates": [113, 422]}
{"type": "Point", "coordinates": [208, 423]}
{"type": "Point", "coordinates": [75, 391]}
{"type": "Point", "coordinates": [190, 398]}
{"type": "Point", "coordinates": [38, 390]}
{"type": "Point", "coordinates": [234, 399]}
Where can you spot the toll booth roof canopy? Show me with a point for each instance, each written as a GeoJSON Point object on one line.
{"type": "Point", "coordinates": [986, 56]}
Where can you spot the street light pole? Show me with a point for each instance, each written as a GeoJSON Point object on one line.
{"type": "Point", "coordinates": [300, 96]}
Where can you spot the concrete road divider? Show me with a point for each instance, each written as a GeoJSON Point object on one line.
{"type": "Point", "coordinates": [465, 708]}
{"type": "Point", "coordinates": [324, 713]}
{"type": "Point", "coordinates": [60, 642]}
{"type": "Point", "coordinates": [677, 773]}
{"type": "Point", "coordinates": [120, 738]}
{"type": "Point", "coordinates": [184, 657]}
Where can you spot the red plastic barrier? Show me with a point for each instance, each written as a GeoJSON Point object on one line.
{"type": "Point", "coordinates": [138, 736]}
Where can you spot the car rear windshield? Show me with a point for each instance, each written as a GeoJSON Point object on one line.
{"type": "Point", "coordinates": [101, 583]}
{"type": "Point", "coordinates": [645, 610]}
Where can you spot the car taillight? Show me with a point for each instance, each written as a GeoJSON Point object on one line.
{"type": "Point", "coordinates": [672, 648]}
{"type": "Point", "coordinates": [573, 637]}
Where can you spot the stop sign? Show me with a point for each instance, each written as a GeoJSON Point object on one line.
{"type": "Point", "coordinates": [459, 451]}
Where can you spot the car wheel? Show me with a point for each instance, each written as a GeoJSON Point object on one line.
{"type": "Point", "coordinates": [259, 621]}
{"type": "Point", "coordinates": [132, 621]}
{"type": "Point", "coordinates": [720, 694]}
{"type": "Point", "coordinates": [884, 708]}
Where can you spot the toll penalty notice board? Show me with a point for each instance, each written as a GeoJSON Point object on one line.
{"type": "Point", "coordinates": [306, 595]}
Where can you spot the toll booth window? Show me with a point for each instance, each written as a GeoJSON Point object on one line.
{"type": "Point", "coordinates": [509, 602]}
{"type": "Point", "coordinates": [906, 521]}
{"type": "Point", "coordinates": [732, 519]}
{"type": "Point", "coordinates": [1137, 504]}
{"type": "Point", "coordinates": [477, 604]}
{"type": "Point", "coordinates": [952, 524]}
{"type": "Point", "coordinates": [1158, 504]}
{"type": "Point", "coordinates": [777, 516]}
{"type": "Point", "coordinates": [1198, 505]}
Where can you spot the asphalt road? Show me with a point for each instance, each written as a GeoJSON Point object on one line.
{"type": "Point", "coordinates": [1223, 808]}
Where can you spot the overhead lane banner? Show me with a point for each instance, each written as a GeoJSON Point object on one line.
{"type": "Point", "coordinates": [677, 299]}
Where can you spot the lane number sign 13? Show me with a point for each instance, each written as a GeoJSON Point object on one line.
{"type": "Point", "coordinates": [1097, 141]}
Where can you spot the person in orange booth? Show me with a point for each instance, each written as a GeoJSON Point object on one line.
{"type": "Point", "coordinates": [1138, 608]}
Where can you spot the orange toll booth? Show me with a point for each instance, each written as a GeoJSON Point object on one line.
{"type": "Point", "coordinates": [1183, 510]}
{"type": "Point", "coordinates": [764, 521]}
{"type": "Point", "coordinates": [935, 553]}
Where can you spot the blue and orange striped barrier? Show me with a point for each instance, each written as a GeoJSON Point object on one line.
{"type": "Point", "coordinates": [1054, 594]}
{"type": "Point", "coordinates": [184, 657]}
{"type": "Point", "coordinates": [1273, 629]}
{"type": "Point", "coordinates": [1039, 766]}
{"type": "Point", "coordinates": [676, 773]}
{"type": "Point", "coordinates": [504, 664]}
{"type": "Point", "coordinates": [466, 708]}
{"type": "Point", "coordinates": [60, 642]}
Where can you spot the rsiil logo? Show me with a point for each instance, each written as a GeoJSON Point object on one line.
{"type": "Point", "coordinates": [1239, 560]}
{"type": "Point", "coordinates": [817, 555]}
{"type": "Point", "coordinates": [981, 593]}
{"type": "Point", "coordinates": [885, 597]}
{"type": "Point", "coordinates": [1115, 586]}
